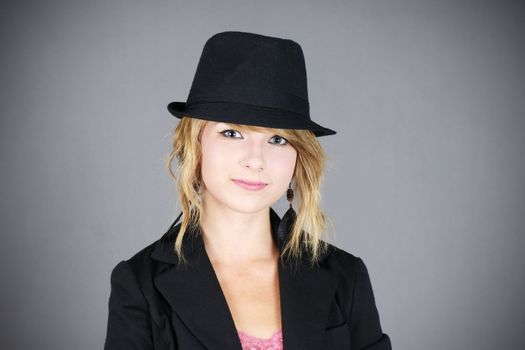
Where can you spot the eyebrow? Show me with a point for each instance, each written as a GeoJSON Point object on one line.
{"type": "Point", "coordinates": [248, 127]}
{"type": "Point", "coordinates": [233, 125]}
{"type": "Point", "coordinates": [224, 123]}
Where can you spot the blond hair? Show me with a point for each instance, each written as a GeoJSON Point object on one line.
{"type": "Point", "coordinates": [311, 223]}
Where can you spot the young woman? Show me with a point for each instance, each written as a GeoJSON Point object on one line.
{"type": "Point", "coordinates": [232, 274]}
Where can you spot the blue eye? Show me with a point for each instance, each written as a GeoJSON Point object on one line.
{"type": "Point", "coordinates": [281, 140]}
{"type": "Point", "coordinates": [231, 134]}
{"type": "Point", "coordinates": [228, 132]}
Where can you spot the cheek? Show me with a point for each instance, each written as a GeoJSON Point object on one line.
{"type": "Point", "coordinates": [285, 164]}
{"type": "Point", "coordinates": [209, 159]}
{"type": "Point", "coordinates": [215, 159]}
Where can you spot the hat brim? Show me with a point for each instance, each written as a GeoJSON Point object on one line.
{"type": "Point", "coordinates": [240, 113]}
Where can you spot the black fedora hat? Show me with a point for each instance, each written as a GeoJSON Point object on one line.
{"type": "Point", "coordinates": [253, 79]}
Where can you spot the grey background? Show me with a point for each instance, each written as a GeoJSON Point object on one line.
{"type": "Point", "coordinates": [425, 181]}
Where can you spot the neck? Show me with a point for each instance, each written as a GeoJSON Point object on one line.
{"type": "Point", "coordinates": [233, 237]}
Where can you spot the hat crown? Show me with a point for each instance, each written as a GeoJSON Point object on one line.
{"type": "Point", "coordinates": [254, 69]}
{"type": "Point", "coordinates": [251, 79]}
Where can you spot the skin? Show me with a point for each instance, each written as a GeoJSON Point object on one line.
{"type": "Point", "coordinates": [235, 222]}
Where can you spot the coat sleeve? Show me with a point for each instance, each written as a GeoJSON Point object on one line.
{"type": "Point", "coordinates": [129, 326]}
{"type": "Point", "coordinates": [365, 327]}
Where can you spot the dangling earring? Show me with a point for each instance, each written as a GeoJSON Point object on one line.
{"type": "Point", "coordinates": [289, 195]}
{"type": "Point", "coordinates": [287, 221]}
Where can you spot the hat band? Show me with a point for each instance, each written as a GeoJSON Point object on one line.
{"type": "Point", "coordinates": [242, 113]}
{"type": "Point", "coordinates": [260, 97]}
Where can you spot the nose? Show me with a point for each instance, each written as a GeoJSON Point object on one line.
{"type": "Point", "coordinates": [254, 156]}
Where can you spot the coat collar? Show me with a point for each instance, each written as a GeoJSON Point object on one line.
{"type": "Point", "coordinates": [194, 293]}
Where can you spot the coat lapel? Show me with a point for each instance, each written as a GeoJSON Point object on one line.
{"type": "Point", "coordinates": [194, 293]}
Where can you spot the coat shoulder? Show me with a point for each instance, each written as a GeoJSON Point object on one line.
{"type": "Point", "coordinates": [143, 255]}
{"type": "Point", "coordinates": [142, 262]}
{"type": "Point", "coordinates": [347, 267]}
{"type": "Point", "coordinates": [341, 260]}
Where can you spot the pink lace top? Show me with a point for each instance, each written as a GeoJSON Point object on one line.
{"type": "Point", "coordinates": [249, 342]}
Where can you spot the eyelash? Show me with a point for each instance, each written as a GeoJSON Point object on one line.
{"type": "Point", "coordinates": [235, 131]}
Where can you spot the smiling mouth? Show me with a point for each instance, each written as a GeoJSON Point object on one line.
{"type": "Point", "coordinates": [249, 185]}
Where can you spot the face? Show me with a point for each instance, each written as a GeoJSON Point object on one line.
{"type": "Point", "coordinates": [246, 171]}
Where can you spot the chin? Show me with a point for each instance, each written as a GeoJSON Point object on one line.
{"type": "Point", "coordinates": [249, 209]}
{"type": "Point", "coordinates": [243, 202]}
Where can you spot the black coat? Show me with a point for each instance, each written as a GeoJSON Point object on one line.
{"type": "Point", "coordinates": [155, 303]}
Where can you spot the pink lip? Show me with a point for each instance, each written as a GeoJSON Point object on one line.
{"type": "Point", "coordinates": [249, 185]}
